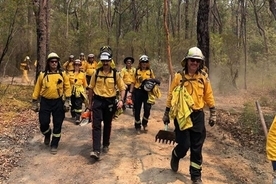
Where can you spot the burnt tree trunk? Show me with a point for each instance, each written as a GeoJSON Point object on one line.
{"type": "Point", "coordinates": [203, 38]}
{"type": "Point", "coordinates": [41, 10]}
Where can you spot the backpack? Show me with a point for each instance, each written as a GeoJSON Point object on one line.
{"type": "Point", "coordinates": [45, 73]}
{"type": "Point", "coordinates": [114, 75]}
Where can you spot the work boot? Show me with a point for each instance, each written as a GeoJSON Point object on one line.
{"type": "Point", "coordinates": [105, 149]}
{"type": "Point", "coordinates": [145, 128]}
{"type": "Point", "coordinates": [47, 138]}
{"type": "Point", "coordinates": [174, 162]}
{"type": "Point", "coordinates": [95, 155]}
{"type": "Point", "coordinates": [197, 181]}
{"type": "Point", "coordinates": [53, 150]}
{"type": "Point", "coordinates": [138, 131]}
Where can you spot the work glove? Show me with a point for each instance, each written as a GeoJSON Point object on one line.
{"type": "Point", "coordinates": [67, 104]}
{"type": "Point", "coordinates": [213, 116]}
{"type": "Point", "coordinates": [35, 106]}
{"type": "Point", "coordinates": [166, 118]}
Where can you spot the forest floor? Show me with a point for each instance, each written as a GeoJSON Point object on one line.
{"type": "Point", "coordinates": [230, 154]}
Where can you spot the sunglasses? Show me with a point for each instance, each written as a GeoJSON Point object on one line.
{"type": "Point", "coordinates": [144, 61]}
{"type": "Point", "coordinates": [195, 60]}
{"type": "Point", "coordinates": [54, 61]}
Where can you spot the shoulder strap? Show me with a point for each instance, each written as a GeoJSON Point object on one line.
{"type": "Point", "coordinates": [114, 74]}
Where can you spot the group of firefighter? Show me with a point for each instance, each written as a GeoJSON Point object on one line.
{"type": "Point", "coordinates": [105, 90]}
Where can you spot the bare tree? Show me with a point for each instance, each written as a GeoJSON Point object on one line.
{"type": "Point", "coordinates": [202, 28]}
{"type": "Point", "coordinates": [41, 10]}
{"type": "Point", "coordinates": [10, 36]}
{"type": "Point", "coordinates": [167, 37]}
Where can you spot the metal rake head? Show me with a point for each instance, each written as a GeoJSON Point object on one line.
{"type": "Point", "coordinates": [164, 136]}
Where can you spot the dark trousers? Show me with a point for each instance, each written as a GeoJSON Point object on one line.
{"type": "Point", "coordinates": [76, 108]}
{"type": "Point", "coordinates": [55, 108]}
{"type": "Point", "coordinates": [193, 139]}
{"type": "Point", "coordinates": [88, 78]}
{"type": "Point", "coordinates": [103, 110]}
{"type": "Point", "coordinates": [140, 98]}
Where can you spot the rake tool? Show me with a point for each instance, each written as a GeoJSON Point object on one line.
{"type": "Point", "coordinates": [165, 136]}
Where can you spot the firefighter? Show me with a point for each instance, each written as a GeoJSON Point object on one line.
{"type": "Point", "coordinates": [127, 74]}
{"type": "Point", "coordinates": [102, 102]}
{"type": "Point", "coordinates": [68, 66]}
{"type": "Point", "coordinates": [51, 86]}
{"type": "Point", "coordinates": [91, 66]}
{"type": "Point", "coordinates": [197, 84]}
{"type": "Point", "coordinates": [78, 89]}
{"type": "Point", "coordinates": [83, 62]}
{"type": "Point", "coordinates": [271, 147]}
{"type": "Point", "coordinates": [142, 74]}
{"type": "Point", "coordinates": [25, 67]}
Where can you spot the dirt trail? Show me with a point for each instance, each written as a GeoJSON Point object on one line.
{"type": "Point", "coordinates": [135, 159]}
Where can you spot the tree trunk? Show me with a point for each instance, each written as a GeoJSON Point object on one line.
{"type": "Point", "coordinates": [41, 9]}
{"type": "Point", "coordinates": [202, 28]}
{"type": "Point", "coordinates": [167, 37]}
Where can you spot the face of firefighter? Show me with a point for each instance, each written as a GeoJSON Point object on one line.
{"type": "Point", "coordinates": [106, 63]}
{"type": "Point", "coordinates": [90, 59]}
{"type": "Point", "coordinates": [144, 64]}
{"type": "Point", "coordinates": [53, 63]}
{"type": "Point", "coordinates": [193, 65]}
{"type": "Point", "coordinates": [128, 63]}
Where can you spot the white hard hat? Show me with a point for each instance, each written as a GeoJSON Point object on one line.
{"type": "Point", "coordinates": [105, 56]}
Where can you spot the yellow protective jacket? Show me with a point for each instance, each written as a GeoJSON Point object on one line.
{"type": "Point", "coordinates": [83, 65]}
{"type": "Point", "coordinates": [90, 68]}
{"type": "Point", "coordinates": [271, 142]}
{"type": "Point", "coordinates": [68, 66]}
{"type": "Point", "coordinates": [104, 85]}
{"type": "Point", "coordinates": [153, 95]}
{"type": "Point", "coordinates": [198, 86]}
{"type": "Point", "coordinates": [52, 86]}
{"type": "Point", "coordinates": [128, 75]}
{"type": "Point", "coordinates": [78, 84]}
{"type": "Point", "coordinates": [181, 107]}
{"type": "Point", "coordinates": [141, 75]}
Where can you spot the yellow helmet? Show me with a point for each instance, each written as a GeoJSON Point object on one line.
{"type": "Point", "coordinates": [53, 55]}
{"type": "Point", "coordinates": [194, 53]}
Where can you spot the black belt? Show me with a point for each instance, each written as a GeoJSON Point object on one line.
{"type": "Point", "coordinates": [103, 98]}
{"type": "Point", "coordinates": [197, 110]}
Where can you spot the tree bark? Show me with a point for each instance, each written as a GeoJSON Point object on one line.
{"type": "Point", "coordinates": [203, 29]}
{"type": "Point", "coordinates": [41, 9]}
{"type": "Point", "coordinates": [167, 37]}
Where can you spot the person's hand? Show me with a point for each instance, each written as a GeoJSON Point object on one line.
{"type": "Point", "coordinates": [120, 104]}
{"type": "Point", "coordinates": [67, 104]}
{"type": "Point", "coordinates": [213, 116]}
{"type": "Point", "coordinates": [35, 106]}
{"type": "Point", "coordinates": [166, 118]}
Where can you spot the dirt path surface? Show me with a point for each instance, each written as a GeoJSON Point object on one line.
{"type": "Point", "coordinates": [135, 159]}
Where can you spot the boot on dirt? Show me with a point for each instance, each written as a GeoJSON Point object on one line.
{"type": "Point", "coordinates": [47, 137]}
{"type": "Point", "coordinates": [53, 150]}
{"type": "Point", "coordinates": [174, 162]}
{"type": "Point", "coordinates": [105, 149]}
{"type": "Point", "coordinates": [95, 155]}
{"type": "Point", "coordinates": [197, 181]}
{"type": "Point", "coordinates": [138, 131]}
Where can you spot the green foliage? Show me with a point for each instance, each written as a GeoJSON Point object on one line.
{"type": "Point", "coordinates": [249, 118]}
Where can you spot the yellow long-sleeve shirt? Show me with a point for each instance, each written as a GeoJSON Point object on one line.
{"type": "Point", "coordinates": [52, 86]}
{"type": "Point", "coordinates": [104, 85]}
{"type": "Point", "coordinates": [198, 86]}
{"type": "Point", "coordinates": [68, 66]}
{"type": "Point", "coordinates": [90, 68]}
{"type": "Point", "coordinates": [78, 79]}
{"type": "Point", "coordinates": [128, 75]}
{"type": "Point", "coordinates": [142, 75]}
